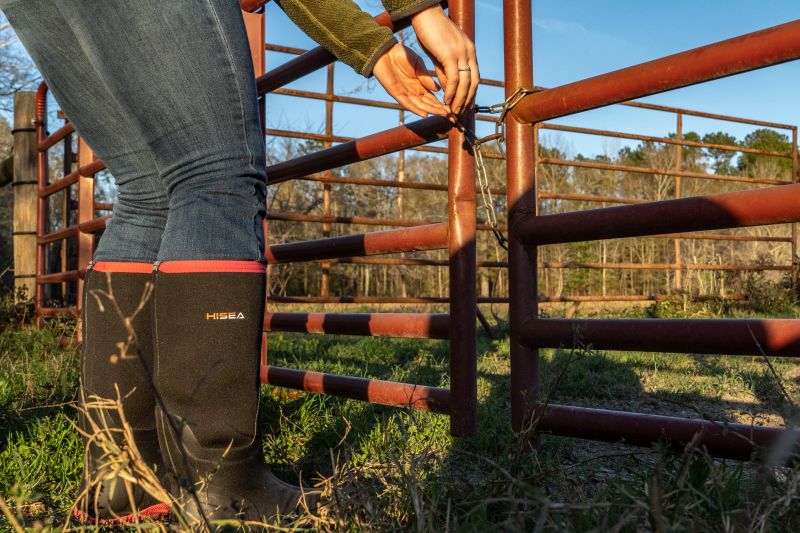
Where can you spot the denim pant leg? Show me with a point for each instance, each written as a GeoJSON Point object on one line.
{"type": "Point", "coordinates": [140, 212]}
{"type": "Point", "coordinates": [182, 69]}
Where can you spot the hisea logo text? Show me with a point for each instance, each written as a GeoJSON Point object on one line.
{"type": "Point", "coordinates": [231, 315]}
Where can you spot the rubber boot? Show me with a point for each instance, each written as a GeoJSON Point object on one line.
{"type": "Point", "coordinates": [116, 363]}
{"type": "Point", "coordinates": [208, 324]}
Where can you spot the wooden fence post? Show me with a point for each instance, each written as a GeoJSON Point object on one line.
{"type": "Point", "coordinates": [25, 194]}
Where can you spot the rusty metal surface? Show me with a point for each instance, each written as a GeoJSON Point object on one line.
{"type": "Point", "coordinates": [428, 237]}
{"type": "Point", "coordinates": [665, 140]}
{"type": "Point", "coordinates": [419, 397]}
{"type": "Point", "coordinates": [94, 225]}
{"type": "Point", "coordinates": [728, 336]}
{"type": "Point", "coordinates": [703, 114]}
{"type": "Point", "coordinates": [57, 235]}
{"type": "Point", "coordinates": [328, 138]}
{"type": "Point", "coordinates": [462, 252]}
{"type": "Point", "coordinates": [386, 142]}
{"type": "Point", "coordinates": [763, 48]}
{"type": "Point", "coordinates": [411, 325]}
{"type": "Point", "coordinates": [521, 180]}
{"type": "Point", "coordinates": [658, 171]}
{"type": "Point", "coordinates": [731, 441]}
{"type": "Point", "coordinates": [312, 60]}
{"type": "Point", "coordinates": [252, 5]}
{"type": "Point", "coordinates": [774, 205]}
{"type": "Point", "coordinates": [54, 138]}
{"type": "Point", "coordinates": [58, 277]}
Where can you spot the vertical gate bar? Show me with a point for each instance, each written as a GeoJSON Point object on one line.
{"type": "Point", "coordinates": [795, 170]}
{"type": "Point", "coordinates": [85, 214]}
{"type": "Point", "coordinates": [521, 175]}
{"type": "Point", "coordinates": [678, 169]}
{"type": "Point", "coordinates": [65, 208]}
{"type": "Point", "coordinates": [41, 203]}
{"type": "Point", "coordinates": [326, 187]}
{"type": "Point", "coordinates": [463, 262]}
{"type": "Point", "coordinates": [255, 28]}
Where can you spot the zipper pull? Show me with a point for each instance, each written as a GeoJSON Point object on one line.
{"type": "Point", "coordinates": [155, 266]}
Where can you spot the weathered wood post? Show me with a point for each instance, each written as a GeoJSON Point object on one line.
{"type": "Point", "coordinates": [25, 194]}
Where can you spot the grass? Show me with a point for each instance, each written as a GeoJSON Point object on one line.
{"type": "Point", "coordinates": [388, 469]}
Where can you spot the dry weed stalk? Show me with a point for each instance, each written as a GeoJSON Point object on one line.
{"type": "Point", "coordinates": [108, 430]}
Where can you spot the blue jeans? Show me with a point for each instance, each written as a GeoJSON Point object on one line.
{"type": "Point", "coordinates": [164, 93]}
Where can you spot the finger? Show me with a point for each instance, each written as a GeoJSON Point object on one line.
{"type": "Point", "coordinates": [434, 108]}
{"type": "Point", "coordinates": [440, 75]}
{"type": "Point", "coordinates": [460, 99]}
{"type": "Point", "coordinates": [432, 104]}
{"type": "Point", "coordinates": [451, 83]}
{"type": "Point", "coordinates": [405, 101]}
{"type": "Point", "coordinates": [424, 78]}
{"type": "Point", "coordinates": [476, 76]}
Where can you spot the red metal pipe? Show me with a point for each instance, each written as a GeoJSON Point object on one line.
{"type": "Point", "coordinates": [412, 325]}
{"type": "Point", "coordinates": [770, 46]}
{"type": "Point", "coordinates": [393, 140]}
{"type": "Point", "coordinates": [55, 137]}
{"type": "Point", "coordinates": [658, 171]}
{"type": "Point", "coordinates": [57, 235]}
{"type": "Point", "coordinates": [774, 205]}
{"type": "Point", "coordinates": [664, 140]}
{"type": "Point", "coordinates": [41, 203]}
{"type": "Point", "coordinates": [429, 237]}
{"type": "Point", "coordinates": [720, 439]}
{"type": "Point", "coordinates": [314, 59]}
{"type": "Point", "coordinates": [462, 253]}
{"type": "Point", "coordinates": [252, 5]}
{"type": "Point", "coordinates": [57, 277]}
{"type": "Point", "coordinates": [773, 337]}
{"type": "Point", "coordinates": [377, 391]}
{"type": "Point", "coordinates": [521, 174]}
{"type": "Point", "coordinates": [93, 226]}
{"type": "Point", "coordinates": [277, 298]}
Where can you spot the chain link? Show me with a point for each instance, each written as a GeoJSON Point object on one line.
{"type": "Point", "coordinates": [499, 136]}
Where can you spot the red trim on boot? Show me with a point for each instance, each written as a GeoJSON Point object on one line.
{"type": "Point", "coordinates": [154, 512]}
{"type": "Point", "coordinates": [216, 265]}
{"type": "Point", "coordinates": [123, 266]}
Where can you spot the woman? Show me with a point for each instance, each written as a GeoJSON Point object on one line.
{"type": "Point", "coordinates": [164, 94]}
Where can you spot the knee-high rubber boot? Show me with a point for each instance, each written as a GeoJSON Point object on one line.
{"type": "Point", "coordinates": [117, 362]}
{"type": "Point", "coordinates": [208, 323]}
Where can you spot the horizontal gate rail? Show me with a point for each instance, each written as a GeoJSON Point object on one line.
{"type": "Point", "coordinates": [313, 60]}
{"type": "Point", "coordinates": [410, 325]}
{"type": "Point", "coordinates": [759, 49]}
{"type": "Point", "coordinates": [378, 391]}
{"type": "Point", "coordinates": [774, 205]}
{"type": "Point", "coordinates": [721, 439]}
{"type": "Point", "coordinates": [658, 171]}
{"type": "Point", "coordinates": [664, 140]}
{"type": "Point", "coordinates": [386, 142]}
{"type": "Point", "coordinates": [728, 336]}
{"type": "Point", "coordinates": [427, 237]}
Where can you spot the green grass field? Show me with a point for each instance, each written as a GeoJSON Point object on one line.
{"type": "Point", "coordinates": [389, 469]}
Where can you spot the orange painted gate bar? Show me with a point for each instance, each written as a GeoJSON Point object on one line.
{"type": "Point", "coordinates": [527, 230]}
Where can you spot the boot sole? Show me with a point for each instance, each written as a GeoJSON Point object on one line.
{"type": "Point", "coordinates": [158, 511]}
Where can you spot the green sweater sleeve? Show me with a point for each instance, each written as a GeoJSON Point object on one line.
{"type": "Point", "coordinates": [399, 9]}
{"type": "Point", "coordinates": [344, 29]}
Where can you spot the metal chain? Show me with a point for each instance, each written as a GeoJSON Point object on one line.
{"type": "Point", "coordinates": [499, 136]}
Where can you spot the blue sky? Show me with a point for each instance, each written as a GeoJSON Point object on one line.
{"type": "Point", "coordinates": [575, 39]}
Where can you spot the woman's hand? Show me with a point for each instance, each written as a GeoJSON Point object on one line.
{"type": "Point", "coordinates": [402, 73]}
{"type": "Point", "coordinates": [453, 55]}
